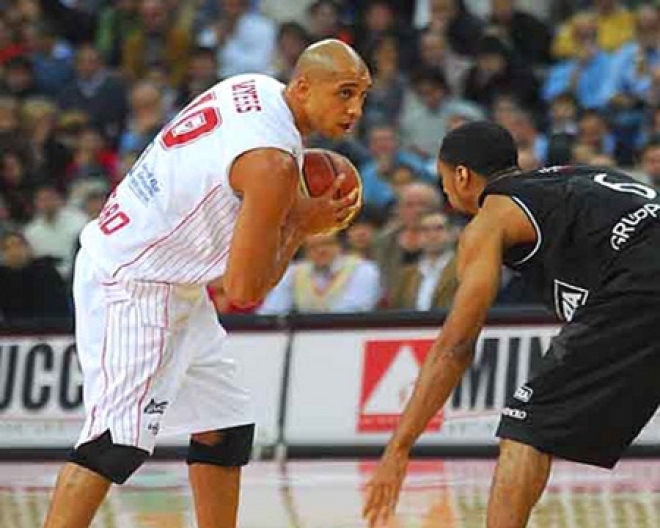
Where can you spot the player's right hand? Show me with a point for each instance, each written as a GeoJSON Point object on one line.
{"type": "Point", "coordinates": [325, 213]}
{"type": "Point", "coordinates": [382, 492]}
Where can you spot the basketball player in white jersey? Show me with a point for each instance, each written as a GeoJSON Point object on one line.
{"type": "Point", "coordinates": [215, 195]}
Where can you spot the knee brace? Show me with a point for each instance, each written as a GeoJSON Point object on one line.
{"type": "Point", "coordinates": [234, 449]}
{"type": "Point", "coordinates": [112, 461]}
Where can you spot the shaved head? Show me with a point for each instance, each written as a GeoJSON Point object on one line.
{"type": "Point", "coordinates": [328, 88]}
{"type": "Point", "coordinates": [329, 58]}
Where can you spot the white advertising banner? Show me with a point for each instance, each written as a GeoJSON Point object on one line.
{"type": "Point", "coordinates": [349, 387]}
{"type": "Point", "coordinates": [41, 388]}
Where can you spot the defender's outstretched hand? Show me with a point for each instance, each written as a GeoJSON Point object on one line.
{"type": "Point", "coordinates": [382, 493]}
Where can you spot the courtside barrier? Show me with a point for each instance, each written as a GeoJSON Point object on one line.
{"type": "Point", "coordinates": [322, 384]}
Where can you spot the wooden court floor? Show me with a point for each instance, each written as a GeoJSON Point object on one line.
{"type": "Point", "coordinates": [328, 494]}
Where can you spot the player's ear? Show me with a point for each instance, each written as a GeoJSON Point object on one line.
{"type": "Point", "coordinates": [302, 88]}
{"type": "Point", "coordinates": [463, 176]}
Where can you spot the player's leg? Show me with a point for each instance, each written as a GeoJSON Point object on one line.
{"type": "Point", "coordinates": [215, 410]}
{"type": "Point", "coordinates": [78, 494]}
{"type": "Point", "coordinates": [121, 350]}
{"type": "Point", "coordinates": [594, 391]}
{"type": "Point", "coordinates": [520, 477]}
{"type": "Point", "coordinates": [215, 459]}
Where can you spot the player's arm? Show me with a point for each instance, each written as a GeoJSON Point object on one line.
{"type": "Point", "coordinates": [499, 224]}
{"type": "Point", "coordinates": [479, 265]}
{"type": "Point", "coordinates": [267, 181]}
{"type": "Point", "coordinates": [273, 222]}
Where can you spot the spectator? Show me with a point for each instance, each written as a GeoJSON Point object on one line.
{"type": "Point", "coordinates": [54, 228]}
{"type": "Point", "coordinates": [361, 234]}
{"type": "Point", "coordinates": [634, 82]}
{"type": "Point", "coordinates": [9, 47]}
{"type": "Point", "coordinates": [386, 157]}
{"type": "Point", "coordinates": [245, 40]}
{"type": "Point", "coordinates": [16, 184]}
{"type": "Point", "coordinates": [497, 72]}
{"type": "Point", "coordinates": [529, 38]}
{"type": "Point", "coordinates": [11, 137]}
{"type": "Point", "coordinates": [117, 21]}
{"type": "Point", "coordinates": [157, 76]}
{"type": "Point", "coordinates": [378, 20]}
{"type": "Point", "coordinates": [431, 282]}
{"type": "Point", "coordinates": [386, 94]}
{"type": "Point", "coordinates": [19, 80]}
{"type": "Point", "coordinates": [650, 166]}
{"type": "Point", "coordinates": [563, 115]}
{"type": "Point", "coordinates": [403, 10]}
{"type": "Point", "coordinates": [595, 133]}
{"type": "Point", "coordinates": [6, 222]}
{"type": "Point", "coordinates": [632, 70]}
{"type": "Point", "coordinates": [435, 54]}
{"type": "Point", "coordinates": [159, 41]}
{"type": "Point", "coordinates": [92, 160]}
{"type": "Point", "coordinates": [426, 107]}
{"type": "Point", "coordinates": [74, 21]}
{"type": "Point", "coordinates": [527, 136]}
{"type": "Point", "coordinates": [326, 281]}
{"type": "Point", "coordinates": [97, 92]}
{"type": "Point", "coordinates": [461, 29]}
{"type": "Point", "coordinates": [146, 118]}
{"type": "Point", "coordinates": [202, 74]}
{"type": "Point", "coordinates": [584, 75]}
{"type": "Point", "coordinates": [50, 156]}
{"type": "Point", "coordinates": [615, 26]}
{"type": "Point", "coordinates": [324, 22]}
{"type": "Point", "coordinates": [31, 287]}
{"type": "Point", "coordinates": [400, 242]}
{"type": "Point", "coordinates": [292, 39]}
{"type": "Point", "coordinates": [52, 58]}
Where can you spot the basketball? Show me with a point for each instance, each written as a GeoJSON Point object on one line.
{"type": "Point", "coordinates": [321, 167]}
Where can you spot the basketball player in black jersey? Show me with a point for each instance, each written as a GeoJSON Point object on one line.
{"type": "Point", "coordinates": [588, 239]}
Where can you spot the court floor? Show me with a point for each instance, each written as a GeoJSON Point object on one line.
{"type": "Point", "coordinates": [327, 494]}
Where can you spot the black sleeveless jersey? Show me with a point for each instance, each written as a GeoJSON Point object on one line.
{"type": "Point", "coordinates": [598, 235]}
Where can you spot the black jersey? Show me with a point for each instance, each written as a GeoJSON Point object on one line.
{"type": "Point", "coordinates": [598, 235]}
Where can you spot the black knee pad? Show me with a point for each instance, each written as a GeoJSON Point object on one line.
{"type": "Point", "coordinates": [112, 461]}
{"type": "Point", "coordinates": [233, 450]}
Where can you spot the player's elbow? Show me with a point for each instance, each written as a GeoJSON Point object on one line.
{"type": "Point", "coordinates": [244, 294]}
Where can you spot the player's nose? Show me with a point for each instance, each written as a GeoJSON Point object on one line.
{"type": "Point", "coordinates": [355, 109]}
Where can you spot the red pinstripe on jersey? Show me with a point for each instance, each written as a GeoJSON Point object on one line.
{"type": "Point", "coordinates": [153, 371]}
{"type": "Point", "coordinates": [170, 259]}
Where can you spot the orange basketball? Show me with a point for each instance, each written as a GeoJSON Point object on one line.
{"type": "Point", "coordinates": [321, 167]}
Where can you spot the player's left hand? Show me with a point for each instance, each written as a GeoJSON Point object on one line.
{"type": "Point", "coordinates": [326, 212]}
{"type": "Point", "coordinates": [382, 492]}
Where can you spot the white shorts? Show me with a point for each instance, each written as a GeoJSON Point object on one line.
{"type": "Point", "coordinates": [151, 356]}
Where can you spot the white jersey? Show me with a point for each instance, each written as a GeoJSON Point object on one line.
{"type": "Point", "coordinates": [172, 218]}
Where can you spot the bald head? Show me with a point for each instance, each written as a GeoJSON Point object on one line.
{"type": "Point", "coordinates": [329, 58]}
{"type": "Point", "coordinates": [328, 88]}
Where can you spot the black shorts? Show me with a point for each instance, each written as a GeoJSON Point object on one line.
{"type": "Point", "coordinates": [596, 388]}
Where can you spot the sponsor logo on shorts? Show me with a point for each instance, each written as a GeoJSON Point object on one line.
{"type": "Point", "coordinates": [154, 407]}
{"type": "Point", "coordinates": [626, 226]}
{"type": "Point", "coordinates": [514, 413]}
{"type": "Point", "coordinates": [568, 298]}
{"type": "Point", "coordinates": [523, 393]}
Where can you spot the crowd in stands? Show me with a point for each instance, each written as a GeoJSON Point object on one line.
{"type": "Point", "coordinates": [86, 84]}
